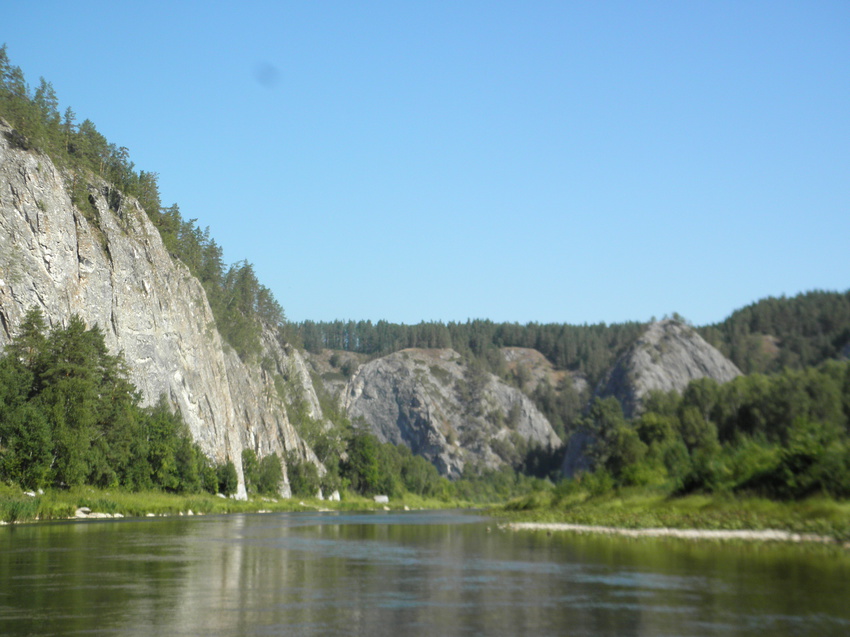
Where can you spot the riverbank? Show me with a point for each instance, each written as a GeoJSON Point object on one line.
{"type": "Point", "coordinates": [83, 503]}
{"type": "Point", "coordinates": [655, 513]}
{"type": "Point", "coordinates": [764, 535]}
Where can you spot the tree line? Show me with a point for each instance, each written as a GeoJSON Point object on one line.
{"type": "Point", "coordinates": [589, 349]}
{"type": "Point", "coordinates": [777, 333]}
{"type": "Point", "coordinates": [785, 435]}
{"type": "Point", "coordinates": [242, 306]}
{"type": "Point", "coordinates": [69, 416]}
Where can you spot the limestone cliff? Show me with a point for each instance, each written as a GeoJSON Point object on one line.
{"type": "Point", "coordinates": [108, 265]}
{"type": "Point", "coordinates": [666, 357]}
{"type": "Point", "coordinates": [431, 401]}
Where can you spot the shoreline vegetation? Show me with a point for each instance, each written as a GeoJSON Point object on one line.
{"type": "Point", "coordinates": [636, 514]}
{"type": "Point", "coordinates": [644, 512]}
{"type": "Point", "coordinates": [91, 503]}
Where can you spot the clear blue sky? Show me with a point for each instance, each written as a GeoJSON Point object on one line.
{"type": "Point", "coordinates": [517, 161]}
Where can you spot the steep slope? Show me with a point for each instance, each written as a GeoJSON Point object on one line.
{"type": "Point", "coordinates": [666, 357]}
{"type": "Point", "coordinates": [107, 264]}
{"type": "Point", "coordinates": [451, 414]}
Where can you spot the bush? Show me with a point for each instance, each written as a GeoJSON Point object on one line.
{"type": "Point", "coordinates": [303, 476]}
{"type": "Point", "coordinates": [597, 483]}
{"type": "Point", "coordinates": [228, 479]}
{"type": "Point", "coordinates": [270, 475]}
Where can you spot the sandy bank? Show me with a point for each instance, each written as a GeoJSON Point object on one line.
{"type": "Point", "coordinates": [688, 534]}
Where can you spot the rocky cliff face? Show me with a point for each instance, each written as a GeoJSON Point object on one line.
{"type": "Point", "coordinates": [667, 357]}
{"type": "Point", "coordinates": [110, 267]}
{"type": "Point", "coordinates": [452, 415]}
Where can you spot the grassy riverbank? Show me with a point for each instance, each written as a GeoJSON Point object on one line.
{"type": "Point", "coordinates": [17, 507]}
{"type": "Point", "coordinates": [645, 508]}
{"type": "Point", "coordinates": [627, 508]}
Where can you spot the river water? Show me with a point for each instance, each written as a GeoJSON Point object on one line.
{"type": "Point", "coordinates": [414, 573]}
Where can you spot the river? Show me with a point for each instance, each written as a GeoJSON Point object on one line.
{"type": "Point", "coordinates": [415, 573]}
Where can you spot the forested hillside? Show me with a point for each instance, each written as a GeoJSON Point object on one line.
{"type": "Point", "coordinates": [776, 333]}
{"type": "Point", "coordinates": [767, 336]}
{"type": "Point", "coordinates": [783, 436]}
{"type": "Point", "coordinates": [240, 303]}
{"type": "Point", "coordinates": [589, 349]}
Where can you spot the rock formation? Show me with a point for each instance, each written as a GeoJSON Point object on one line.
{"type": "Point", "coordinates": [666, 357]}
{"type": "Point", "coordinates": [108, 265]}
{"type": "Point", "coordinates": [451, 414]}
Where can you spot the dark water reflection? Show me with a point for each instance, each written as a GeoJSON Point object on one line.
{"type": "Point", "coordinates": [429, 573]}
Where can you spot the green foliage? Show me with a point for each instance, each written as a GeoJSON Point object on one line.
{"type": "Point", "coordinates": [617, 444]}
{"type": "Point", "coordinates": [270, 475]}
{"type": "Point", "coordinates": [363, 469]}
{"type": "Point", "coordinates": [303, 476]}
{"type": "Point", "coordinates": [778, 333]}
{"type": "Point", "coordinates": [250, 470]}
{"type": "Point", "coordinates": [228, 479]}
{"type": "Point", "coordinates": [781, 436]}
{"type": "Point", "coordinates": [69, 416]}
{"type": "Point", "coordinates": [372, 467]}
{"type": "Point", "coordinates": [492, 485]}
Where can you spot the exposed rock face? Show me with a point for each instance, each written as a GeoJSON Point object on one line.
{"type": "Point", "coordinates": [667, 357]}
{"type": "Point", "coordinates": [533, 368]}
{"type": "Point", "coordinates": [431, 402]}
{"type": "Point", "coordinates": [111, 268]}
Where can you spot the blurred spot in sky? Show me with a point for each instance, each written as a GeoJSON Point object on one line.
{"type": "Point", "coordinates": [267, 74]}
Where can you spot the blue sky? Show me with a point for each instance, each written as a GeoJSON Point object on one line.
{"type": "Point", "coordinates": [517, 161]}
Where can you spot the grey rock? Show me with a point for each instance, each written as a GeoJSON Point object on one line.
{"type": "Point", "coordinates": [412, 397]}
{"type": "Point", "coordinates": [111, 268]}
{"type": "Point", "coordinates": [668, 356]}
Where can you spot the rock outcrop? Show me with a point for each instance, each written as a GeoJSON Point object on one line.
{"type": "Point", "coordinates": [108, 265]}
{"type": "Point", "coordinates": [666, 357]}
{"type": "Point", "coordinates": [451, 414]}
{"type": "Point", "coordinates": [531, 369]}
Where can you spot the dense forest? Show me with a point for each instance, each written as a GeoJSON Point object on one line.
{"type": "Point", "coordinates": [69, 416]}
{"type": "Point", "coordinates": [589, 349]}
{"type": "Point", "coordinates": [766, 336]}
{"type": "Point", "coordinates": [785, 435]}
{"type": "Point", "coordinates": [242, 306]}
{"type": "Point", "coordinates": [778, 333]}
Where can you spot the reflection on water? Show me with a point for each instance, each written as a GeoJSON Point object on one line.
{"type": "Point", "coordinates": [428, 573]}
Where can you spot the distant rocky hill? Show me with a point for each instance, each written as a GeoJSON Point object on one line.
{"type": "Point", "coordinates": [445, 410]}
{"type": "Point", "coordinates": [453, 413]}
{"type": "Point", "coordinates": [668, 356]}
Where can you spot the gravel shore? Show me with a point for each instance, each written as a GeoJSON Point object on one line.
{"type": "Point", "coordinates": [689, 534]}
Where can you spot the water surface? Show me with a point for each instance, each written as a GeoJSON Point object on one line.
{"type": "Point", "coordinates": [416, 573]}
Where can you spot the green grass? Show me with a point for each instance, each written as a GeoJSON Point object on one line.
{"type": "Point", "coordinates": [653, 508]}
{"type": "Point", "coordinates": [16, 507]}
{"type": "Point", "coordinates": [628, 508]}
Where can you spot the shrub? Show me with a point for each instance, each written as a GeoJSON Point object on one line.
{"type": "Point", "coordinates": [228, 479]}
